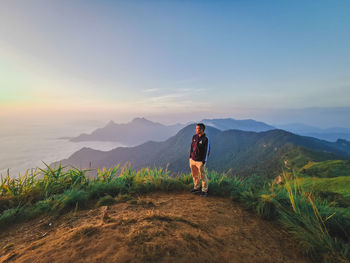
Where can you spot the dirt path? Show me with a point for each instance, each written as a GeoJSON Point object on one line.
{"type": "Point", "coordinates": [160, 228]}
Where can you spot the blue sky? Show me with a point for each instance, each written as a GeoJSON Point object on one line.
{"type": "Point", "coordinates": [172, 60]}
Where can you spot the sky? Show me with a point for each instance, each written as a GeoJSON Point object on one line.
{"type": "Point", "coordinates": [175, 61]}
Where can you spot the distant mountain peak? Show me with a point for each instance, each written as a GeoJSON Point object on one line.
{"type": "Point", "coordinates": [230, 123]}
{"type": "Point", "coordinates": [129, 133]}
{"type": "Point", "coordinates": [143, 119]}
{"type": "Point", "coordinates": [110, 123]}
{"type": "Point", "coordinates": [146, 122]}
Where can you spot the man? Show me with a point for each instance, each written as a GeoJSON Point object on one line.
{"type": "Point", "coordinates": [199, 153]}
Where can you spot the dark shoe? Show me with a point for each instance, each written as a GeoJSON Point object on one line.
{"type": "Point", "coordinates": [204, 194]}
{"type": "Point", "coordinates": [195, 191]}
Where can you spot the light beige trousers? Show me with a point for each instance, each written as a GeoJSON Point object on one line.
{"type": "Point", "coordinates": [198, 168]}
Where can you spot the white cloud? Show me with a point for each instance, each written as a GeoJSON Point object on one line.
{"type": "Point", "coordinates": [151, 90]}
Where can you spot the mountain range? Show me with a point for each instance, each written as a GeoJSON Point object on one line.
{"type": "Point", "coordinates": [141, 130]}
{"type": "Point", "coordinates": [329, 134]}
{"type": "Point", "coordinates": [244, 125]}
{"type": "Point", "coordinates": [234, 151]}
{"type": "Point", "coordinates": [138, 131]}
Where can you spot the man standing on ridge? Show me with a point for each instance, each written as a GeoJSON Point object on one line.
{"type": "Point", "coordinates": [199, 153]}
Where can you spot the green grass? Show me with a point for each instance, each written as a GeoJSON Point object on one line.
{"type": "Point", "coordinates": [339, 185]}
{"type": "Point", "coordinates": [59, 190]}
{"type": "Point", "coordinates": [304, 206]}
{"type": "Point", "coordinates": [335, 190]}
{"type": "Point", "coordinates": [320, 228]}
{"type": "Point", "coordinates": [326, 169]}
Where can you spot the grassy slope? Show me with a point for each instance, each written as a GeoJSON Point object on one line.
{"type": "Point", "coordinates": [330, 168]}
{"type": "Point", "coordinates": [339, 185]}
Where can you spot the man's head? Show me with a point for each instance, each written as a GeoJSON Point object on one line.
{"type": "Point", "coordinates": [200, 128]}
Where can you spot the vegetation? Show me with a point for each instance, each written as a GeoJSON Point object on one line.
{"type": "Point", "coordinates": [330, 168]}
{"type": "Point", "coordinates": [335, 190]}
{"type": "Point", "coordinates": [306, 207]}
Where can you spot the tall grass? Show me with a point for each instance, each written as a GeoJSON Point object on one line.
{"type": "Point", "coordinates": [319, 228]}
{"type": "Point", "coordinates": [60, 189]}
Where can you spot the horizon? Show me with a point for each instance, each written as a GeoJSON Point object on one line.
{"type": "Point", "coordinates": [169, 61]}
{"type": "Point", "coordinates": [336, 117]}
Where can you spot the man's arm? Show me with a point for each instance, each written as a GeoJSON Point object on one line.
{"type": "Point", "coordinates": [191, 147]}
{"type": "Point", "coordinates": [206, 150]}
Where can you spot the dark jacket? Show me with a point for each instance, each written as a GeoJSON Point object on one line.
{"type": "Point", "coordinates": [200, 148]}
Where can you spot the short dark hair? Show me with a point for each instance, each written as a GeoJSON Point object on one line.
{"type": "Point", "coordinates": [201, 125]}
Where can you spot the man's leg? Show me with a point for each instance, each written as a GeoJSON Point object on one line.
{"type": "Point", "coordinates": [195, 171]}
{"type": "Point", "coordinates": [203, 177]}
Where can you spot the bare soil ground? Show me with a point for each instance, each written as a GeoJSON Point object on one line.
{"type": "Point", "coordinates": [160, 227]}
